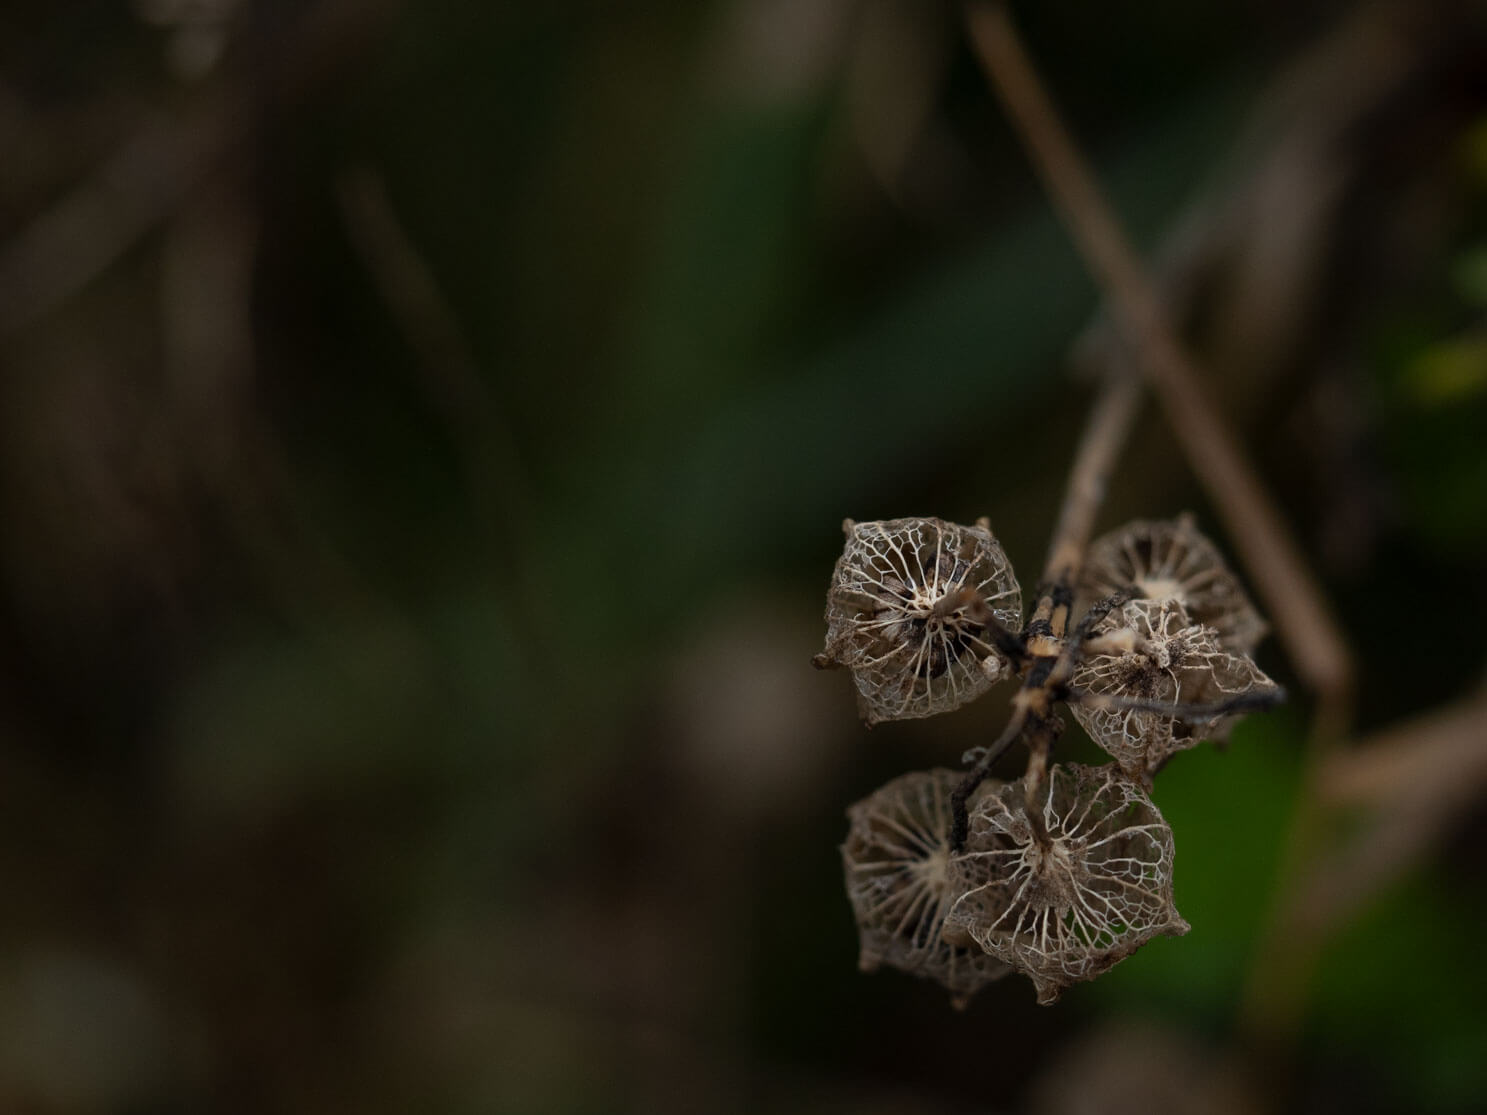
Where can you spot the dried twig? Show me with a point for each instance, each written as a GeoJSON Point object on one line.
{"type": "Point", "coordinates": [66, 247]}
{"type": "Point", "coordinates": [1438, 754]}
{"type": "Point", "coordinates": [81, 235]}
{"type": "Point", "coordinates": [1303, 621]}
{"type": "Point", "coordinates": [1108, 427]}
{"type": "Point", "coordinates": [1415, 781]}
{"type": "Point", "coordinates": [1302, 618]}
{"type": "Point", "coordinates": [1050, 661]}
{"type": "Point", "coordinates": [1187, 712]}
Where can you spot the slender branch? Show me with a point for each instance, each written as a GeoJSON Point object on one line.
{"type": "Point", "coordinates": [1098, 611]}
{"type": "Point", "coordinates": [1441, 750]}
{"type": "Point", "coordinates": [1105, 433]}
{"type": "Point", "coordinates": [959, 821]}
{"type": "Point", "coordinates": [1425, 803]}
{"type": "Point", "coordinates": [999, 634]}
{"type": "Point", "coordinates": [1301, 616]}
{"type": "Point", "coordinates": [1413, 782]}
{"type": "Point", "coordinates": [82, 234]}
{"type": "Point", "coordinates": [1189, 713]}
{"type": "Point", "coordinates": [1303, 621]}
{"type": "Point", "coordinates": [1041, 645]}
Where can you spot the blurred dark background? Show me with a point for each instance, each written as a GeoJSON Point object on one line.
{"type": "Point", "coordinates": [424, 430]}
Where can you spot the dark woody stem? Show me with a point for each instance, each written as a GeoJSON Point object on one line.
{"type": "Point", "coordinates": [1304, 621]}
{"type": "Point", "coordinates": [1049, 662]}
{"type": "Point", "coordinates": [959, 819]}
{"type": "Point", "coordinates": [1194, 712]}
{"type": "Point", "coordinates": [1099, 611]}
{"type": "Point", "coordinates": [997, 633]}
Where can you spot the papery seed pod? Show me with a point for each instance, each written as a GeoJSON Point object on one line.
{"type": "Point", "coordinates": [1171, 659]}
{"type": "Point", "coordinates": [1072, 902]}
{"type": "Point", "coordinates": [1171, 560]}
{"type": "Point", "coordinates": [907, 613]}
{"type": "Point", "coordinates": [896, 861]}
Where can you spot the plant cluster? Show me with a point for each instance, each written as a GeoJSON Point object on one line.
{"type": "Point", "coordinates": [1063, 873]}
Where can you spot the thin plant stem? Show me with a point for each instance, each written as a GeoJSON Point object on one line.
{"type": "Point", "coordinates": [1105, 433]}
{"type": "Point", "coordinates": [1049, 661]}
{"type": "Point", "coordinates": [1413, 781]}
{"type": "Point", "coordinates": [1192, 713]}
{"type": "Point", "coordinates": [1302, 619]}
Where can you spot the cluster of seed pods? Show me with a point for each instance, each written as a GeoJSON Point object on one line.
{"type": "Point", "coordinates": [1062, 878]}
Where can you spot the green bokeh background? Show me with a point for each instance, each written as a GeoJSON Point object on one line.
{"type": "Point", "coordinates": [369, 743]}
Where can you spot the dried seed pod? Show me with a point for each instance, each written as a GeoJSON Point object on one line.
{"type": "Point", "coordinates": [1070, 893]}
{"type": "Point", "coordinates": [1170, 662]}
{"type": "Point", "coordinates": [1171, 560]}
{"type": "Point", "coordinates": [908, 611]}
{"type": "Point", "coordinates": [896, 861]}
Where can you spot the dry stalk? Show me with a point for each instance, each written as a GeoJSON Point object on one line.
{"type": "Point", "coordinates": [1303, 620]}
{"type": "Point", "coordinates": [1436, 754]}
{"type": "Point", "coordinates": [166, 160]}
{"type": "Point", "coordinates": [1049, 664]}
{"type": "Point", "coordinates": [1413, 783]}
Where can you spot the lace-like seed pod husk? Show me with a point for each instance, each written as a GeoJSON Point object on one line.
{"type": "Point", "coordinates": [896, 862]}
{"type": "Point", "coordinates": [902, 614]}
{"type": "Point", "coordinates": [1178, 660]}
{"type": "Point", "coordinates": [1099, 890]}
{"type": "Point", "coordinates": [1171, 560]}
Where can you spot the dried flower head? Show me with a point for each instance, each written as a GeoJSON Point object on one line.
{"type": "Point", "coordinates": [1067, 894]}
{"type": "Point", "coordinates": [1121, 698]}
{"type": "Point", "coordinates": [908, 613]}
{"type": "Point", "coordinates": [896, 860]}
{"type": "Point", "coordinates": [1171, 560]}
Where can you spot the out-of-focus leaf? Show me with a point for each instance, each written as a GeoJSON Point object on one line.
{"type": "Point", "coordinates": [269, 720]}
{"type": "Point", "coordinates": [1450, 372]}
{"type": "Point", "coordinates": [1230, 812]}
{"type": "Point", "coordinates": [1404, 983]}
{"type": "Point", "coordinates": [729, 254]}
{"type": "Point", "coordinates": [1469, 276]}
{"type": "Point", "coordinates": [1435, 405]}
{"type": "Point", "coordinates": [964, 353]}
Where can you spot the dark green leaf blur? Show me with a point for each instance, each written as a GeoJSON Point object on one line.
{"type": "Point", "coordinates": [425, 430]}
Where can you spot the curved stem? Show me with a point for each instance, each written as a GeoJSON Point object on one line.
{"type": "Point", "coordinates": [1042, 642]}
{"type": "Point", "coordinates": [1303, 621]}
